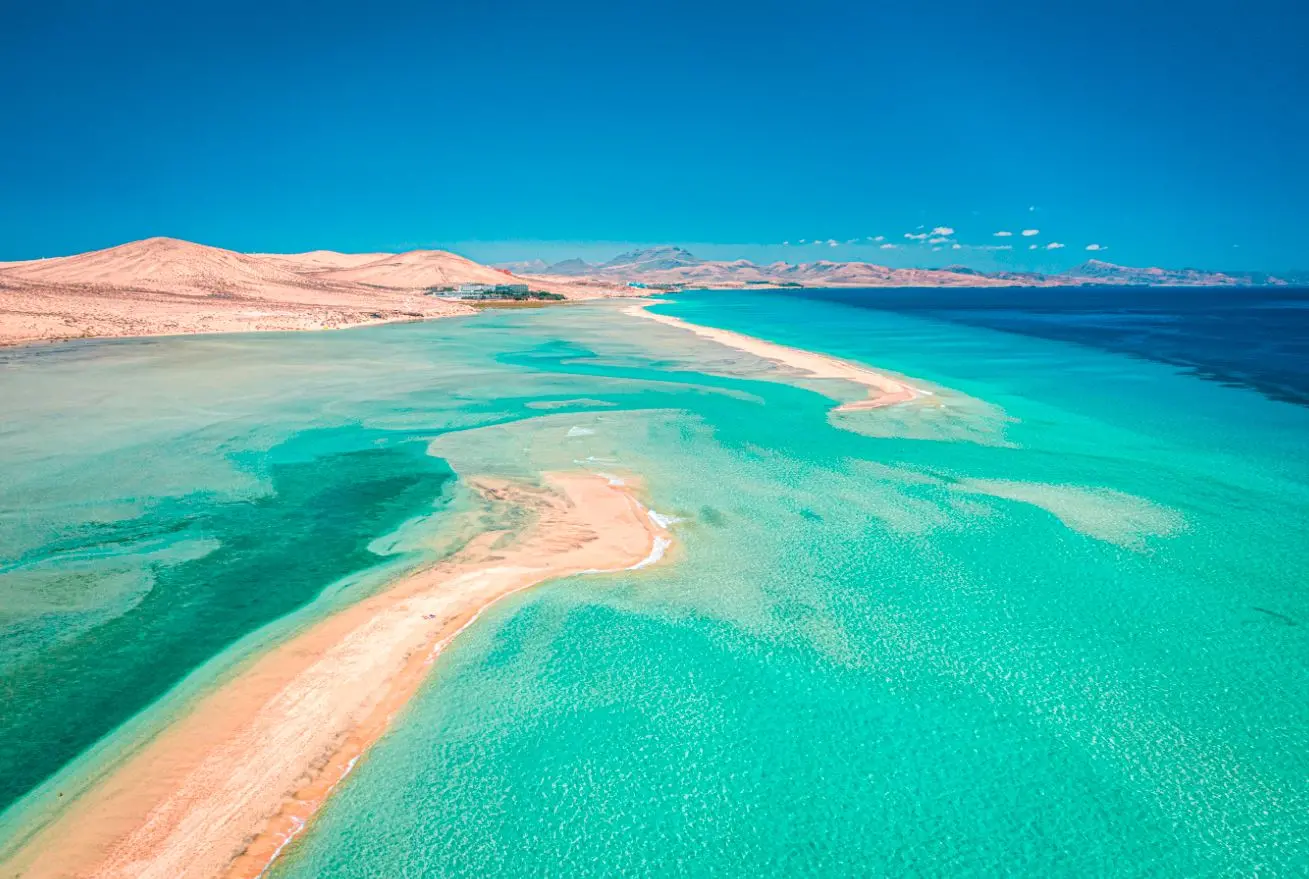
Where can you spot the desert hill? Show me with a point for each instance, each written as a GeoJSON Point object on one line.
{"type": "Point", "coordinates": [418, 270]}
{"type": "Point", "coordinates": [165, 286]}
{"type": "Point", "coordinates": [164, 264]}
{"type": "Point", "coordinates": [319, 260]}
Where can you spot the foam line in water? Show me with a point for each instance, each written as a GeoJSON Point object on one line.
{"type": "Point", "coordinates": [661, 545]}
{"type": "Point", "coordinates": [659, 518]}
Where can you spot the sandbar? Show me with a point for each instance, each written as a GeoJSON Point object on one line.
{"type": "Point", "coordinates": [883, 390]}
{"type": "Point", "coordinates": [223, 790]}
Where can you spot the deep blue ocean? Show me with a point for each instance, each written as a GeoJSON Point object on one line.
{"type": "Point", "coordinates": [1246, 337]}
{"type": "Point", "coordinates": [1049, 620]}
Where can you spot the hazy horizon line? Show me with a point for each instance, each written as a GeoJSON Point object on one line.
{"type": "Point", "coordinates": [549, 251]}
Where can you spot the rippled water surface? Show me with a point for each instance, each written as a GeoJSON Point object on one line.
{"type": "Point", "coordinates": [1053, 623]}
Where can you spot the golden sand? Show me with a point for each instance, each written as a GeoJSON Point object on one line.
{"type": "Point", "coordinates": [223, 790]}
{"type": "Point", "coordinates": [883, 390]}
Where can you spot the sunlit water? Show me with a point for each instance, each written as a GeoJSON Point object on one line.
{"type": "Point", "coordinates": [1053, 623]}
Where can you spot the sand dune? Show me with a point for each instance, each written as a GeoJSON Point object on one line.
{"type": "Point", "coordinates": [221, 791]}
{"type": "Point", "coordinates": [419, 269]}
{"type": "Point", "coordinates": [163, 286]}
{"type": "Point", "coordinates": [318, 260]}
{"type": "Point", "coordinates": [162, 264]}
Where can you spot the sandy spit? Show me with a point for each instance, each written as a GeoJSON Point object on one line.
{"type": "Point", "coordinates": [223, 790]}
{"type": "Point", "coordinates": [883, 390]}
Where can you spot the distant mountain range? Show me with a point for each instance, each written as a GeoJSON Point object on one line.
{"type": "Point", "coordinates": [632, 262]}
{"type": "Point", "coordinates": [676, 267]}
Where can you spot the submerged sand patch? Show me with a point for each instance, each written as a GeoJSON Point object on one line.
{"type": "Point", "coordinates": [222, 791]}
{"type": "Point", "coordinates": [566, 404]}
{"type": "Point", "coordinates": [1102, 513]}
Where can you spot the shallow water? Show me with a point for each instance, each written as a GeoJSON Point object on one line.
{"type": "Point", "coordinates": [1053, 623]}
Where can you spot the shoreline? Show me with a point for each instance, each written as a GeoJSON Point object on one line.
{"type": "Point", "coordinates": [7, 344]}
{"type": "Point", "coordinates": [226, 788]}
{"type": "Point", "coordinates": [467, 310]}
{"type": "Point", "coordinates": [883, 389]}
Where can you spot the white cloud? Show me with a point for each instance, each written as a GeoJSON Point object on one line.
{"type": "Point", "coordinates": [1003, 235]}
{"type": "Point", "coordinates": [942, 230]}
{"type": "Point", "coordinates": [937, 240]}
{"type": "Point", "coordinates": [890, 247]}
{"type": "Point", "coordinates": [1002, 247]}
{"type": "Point", "coordinates": [832, 242]}
{"type": "Point", "coordinates": [921, 236]}
{"type": "Point", "coordinates": [1096, 247]}
{"type": "Point", "coordinates": [1031, 208]}
{"type": "Point", "coordinates": [935, 249]}
{"type": "Point", "coordinates": [786, 244]}
{"type": "Point", "coordinates": [878, 238]}
{"type": "Point", "coordinates": [1053, 245]}
{"type": "Point", "coordinates": [1031, 247]}
{"type": "Point", "coordinates": [1028, 233]}
{"type": "Point", "coordinates": [956, 247]}
{"type": "Point", "coordinates": [803, 240]}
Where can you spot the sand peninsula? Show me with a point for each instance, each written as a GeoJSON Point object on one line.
{"type": "Point", "coordinates": [223, 790]}
{"type": "Point", "coordinates": [883, 390]}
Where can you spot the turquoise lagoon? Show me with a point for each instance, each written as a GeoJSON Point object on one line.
{"type": "Point", "coordinates": [1053, 623]}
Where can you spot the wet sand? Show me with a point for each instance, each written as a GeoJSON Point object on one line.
{"type": "Point", "coordinates": [883, 390]}
{"type": "Point", "coordinates": [223, 790]}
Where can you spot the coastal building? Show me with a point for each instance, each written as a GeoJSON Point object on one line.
{"type": "Point", "coordinates": [485, 291]}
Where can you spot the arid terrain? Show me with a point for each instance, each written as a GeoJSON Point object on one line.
{"type": "Point", "coordinates": [162, 286]}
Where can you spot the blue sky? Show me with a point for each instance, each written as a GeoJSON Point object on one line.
{"type": "Point", "coordinates": [1167, 133]}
